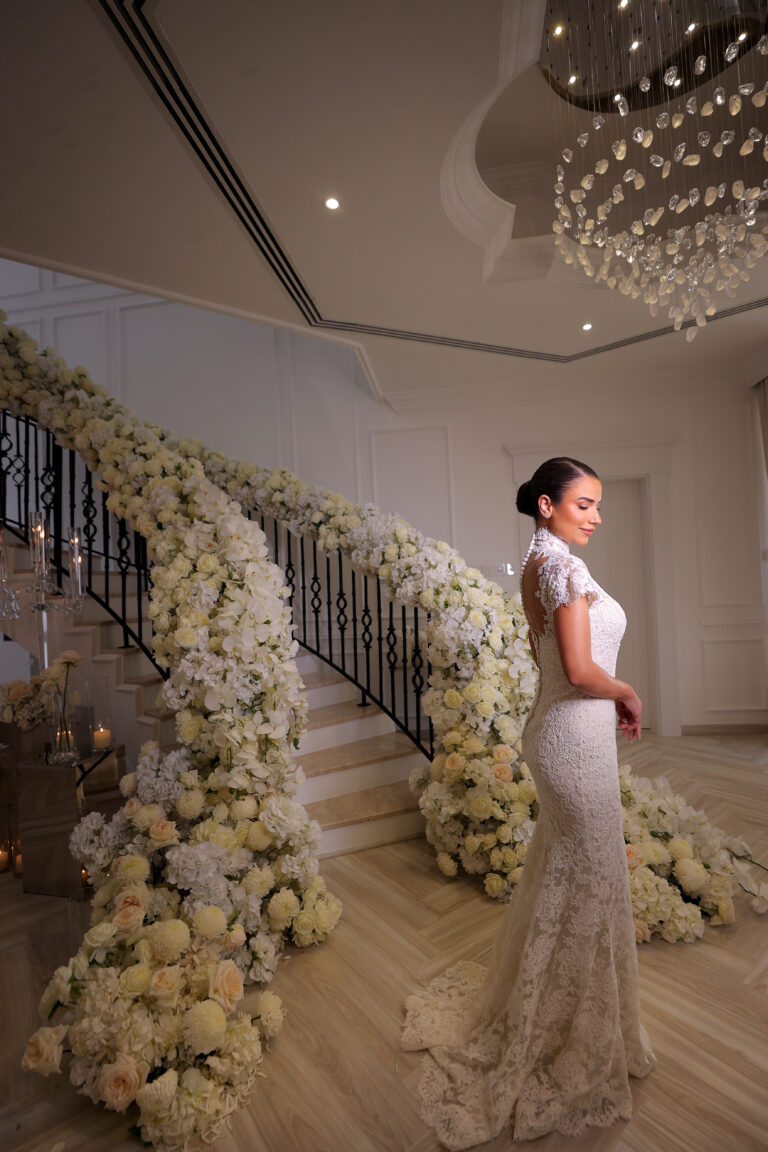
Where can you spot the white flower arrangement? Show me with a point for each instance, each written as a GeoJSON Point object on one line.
{"type": "Point", "coordinates": [477, 795]}
{"type": "Point", "coordinates": [213, 828]}
{"type": "Point", "coordinates": [27, 703]}
{"type": "Point", "coordinates": [148, 1002]}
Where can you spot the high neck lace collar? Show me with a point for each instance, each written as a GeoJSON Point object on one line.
{"type": "Point", "coordinates": [544, 538]}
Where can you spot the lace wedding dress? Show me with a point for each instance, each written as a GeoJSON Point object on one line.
{"type": "Point", "coordinates": [546, 1037]}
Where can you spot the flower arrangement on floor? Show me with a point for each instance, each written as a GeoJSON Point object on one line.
{"type": "Point", "coordinates": [477, 796]}
{"type": "Point", "coordinates": [211, 865]}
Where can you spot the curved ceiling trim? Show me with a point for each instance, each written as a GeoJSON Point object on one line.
{"type": "Point", "coordinates": [145, 44]}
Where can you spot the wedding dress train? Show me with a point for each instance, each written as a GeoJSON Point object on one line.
{"type": "Point", "coordinates": [547, 1036]}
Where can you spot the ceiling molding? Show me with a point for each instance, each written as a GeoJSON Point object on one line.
{"type": "Point", "coordinates": [154, 57]}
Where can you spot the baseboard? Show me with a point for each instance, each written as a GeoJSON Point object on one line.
{"type": "Point", "coordinates": [723, 729]}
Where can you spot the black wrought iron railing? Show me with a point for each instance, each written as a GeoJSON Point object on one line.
{"type": "Point", "coordinates": [341, 615]}
{"type": "Point", "coordinates": [345, 617]}
{"type": "Point", "coordinates": [37, 475]}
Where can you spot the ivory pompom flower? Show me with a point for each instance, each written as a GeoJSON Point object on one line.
{"type": "Point", "coordinates": [204, 1026]}
{"type": "Point", "coordinates": [168, 939]}
{"type": "Point", "coordinates": [209, 922]}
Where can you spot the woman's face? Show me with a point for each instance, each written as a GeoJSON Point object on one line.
{"type": "Point", "coordinates": [578, 513]}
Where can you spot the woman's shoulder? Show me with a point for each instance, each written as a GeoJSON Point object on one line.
{"type": "Point", "coordinates": [563, 578]}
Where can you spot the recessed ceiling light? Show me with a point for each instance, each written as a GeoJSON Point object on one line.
{"type": "Point", "coordinates": [634, 45]}
{"type": "Point", "coordinates": [586, 327]}
{"type": "Point", "coordinates": [742, 36]}
{"type": "Point", "coordinates": [572, 78]}
{"type": "Point", "coordinates": [623, 3]}
{"type": "Point", "coordinates": [332, 203]}
{"type": "Point", "coordinates": [558, 30]}
{"type": "Point", "coordinates": [691, 27]}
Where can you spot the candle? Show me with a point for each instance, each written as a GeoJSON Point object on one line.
{"type": "Point", "coordinates": [5, 859]}
{"type": "Point", "coordinates": [102, 737]}
{"type": "Point", "coordinates": [17, 864]}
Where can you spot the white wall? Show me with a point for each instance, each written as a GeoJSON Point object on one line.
{"type": "Point", "coordinates": [278, 398]}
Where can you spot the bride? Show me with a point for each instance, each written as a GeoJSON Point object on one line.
{"type": "Point", "coordinates": [546, 1038]}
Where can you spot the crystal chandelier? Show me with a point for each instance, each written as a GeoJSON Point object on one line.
{"type": "Point", "coordinates": [659, 196]}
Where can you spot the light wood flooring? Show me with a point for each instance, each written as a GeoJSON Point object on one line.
{"type": "Point", "coordinates": [335, 1080]}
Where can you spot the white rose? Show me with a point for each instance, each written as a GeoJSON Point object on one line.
{"type": "Point", "coordinates": [44, 1050]}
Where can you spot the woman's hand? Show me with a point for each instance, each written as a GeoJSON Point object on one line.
{"type": "Point", "coordinates": [629, 710]}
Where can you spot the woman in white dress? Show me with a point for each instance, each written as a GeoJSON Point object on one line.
{"type": "Point", "coordinates": [546, 1038]}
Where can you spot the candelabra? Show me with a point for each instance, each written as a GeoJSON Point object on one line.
{"type": "Point", "coordinates": [42, 594]}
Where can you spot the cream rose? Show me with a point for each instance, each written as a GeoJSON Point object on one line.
{"type": "Point", "coordinates": [494, 884]}
{"type": "Point", "coordinates": [44, 1050]}
{"type": "Point", "coordinates": [162, 834]}
{"type": "Point", "coordinates": [225, 984]}
{"type": "Point", "coordinates": [327, 913]}
{"type": "Point", "coordinates": [235, 937]}
{"type": "Point", "coordinates": [134, 980]}
{"type": "Point", "coordinates": [128, 918]}
{"type": "Point", "coordinates": [132, 806]}
{"type": "Point", "coordinates": [165, 985]}
{"type": "Point", "coordinates": [101, 935]}
{"type": "Point", "coordinates": [129, 783]}
{"type": "Point", "coordinates": [120, 1082]}
{"type": "Point", "coordinates": [446, 864]}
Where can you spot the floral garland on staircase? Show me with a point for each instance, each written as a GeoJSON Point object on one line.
{"type": "Point", "coordinates": [477, 796]}
{"type": "Point", "coordinates": [211, 864]}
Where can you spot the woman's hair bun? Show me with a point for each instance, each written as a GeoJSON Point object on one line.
{"type": "Point", "coordinates": [550, 479]}
{"type": "Point", "coordinates": [525, 501]}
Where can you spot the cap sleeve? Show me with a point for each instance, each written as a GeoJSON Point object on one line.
{"type": "Point", "coordinates": [562, 580]}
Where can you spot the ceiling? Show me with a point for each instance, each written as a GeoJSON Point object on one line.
{"type": "Point", "coordinates": [186, 149]}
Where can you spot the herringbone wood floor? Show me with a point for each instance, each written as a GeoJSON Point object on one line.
{"type": "Point", "coordinates": [335, 1080]}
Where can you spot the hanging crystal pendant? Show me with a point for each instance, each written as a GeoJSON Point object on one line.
{"type": "Point", "coordinates": [670, 76]}
{"type": "Point", "coordinates": [732, 51]}
{"type": "Point", "coordinates": [700, 66]}
{"type": "Point", "coordinates": [662, 120]}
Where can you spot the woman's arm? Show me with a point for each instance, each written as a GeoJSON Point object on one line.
{"type": "Point", "coordinates": [572, 633]}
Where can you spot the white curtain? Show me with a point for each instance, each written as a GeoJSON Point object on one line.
{"type": "Point", "coordinates": [760, 391]}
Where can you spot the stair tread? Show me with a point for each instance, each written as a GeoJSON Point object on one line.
{"type": "Point", "coordinates": [323, 678]}
{"type": "Point", "coordinates": [390, 746]}
{"type": "Point", "coordinates": [144, 681]}
{"type": "Point", "coordinates": [159, 713]}
{"type": "Point", "coordinates": [369, 804]}
{"type": "Point", "coordinates": [339, 713]}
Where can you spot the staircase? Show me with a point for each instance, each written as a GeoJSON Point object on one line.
{"type": "Point", "coordinates": [356, 766]}
{"type": "Point", "coordinates": [132, 684]}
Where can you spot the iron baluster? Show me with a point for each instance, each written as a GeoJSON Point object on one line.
{"type": "Point", "coordinates": [105, 544]}
{"type": "Point", "coordinates": [89, 524]}
{"type": "Point", "coordinates": [353, 580]}
{"type": "Point", "coordinates": [367, 637]}
{"type": "Point", "coordinates": [303, 566]}
{"type": "Point", "coordinates": [123, 564]}
{"type": "Point", "coordinates": [316, 602]}
{"type": "Point", "coordinates": [417, 678]}
{"type": "Point", "coordinates": [328, 606]}
{"type": "Point", "coordinates": [380, 639]}
{"type": "Point", "coordinates": [290, 571]}
{"type": "Point", "coordinates": [404, 627]}
{"type": "Point", "coordinates": [341, 616]}
{"type": "Point", "coordinates": [392, 656]}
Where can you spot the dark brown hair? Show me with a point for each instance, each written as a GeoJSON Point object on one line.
{"type": "Point", "coordinates": [550, 479]}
